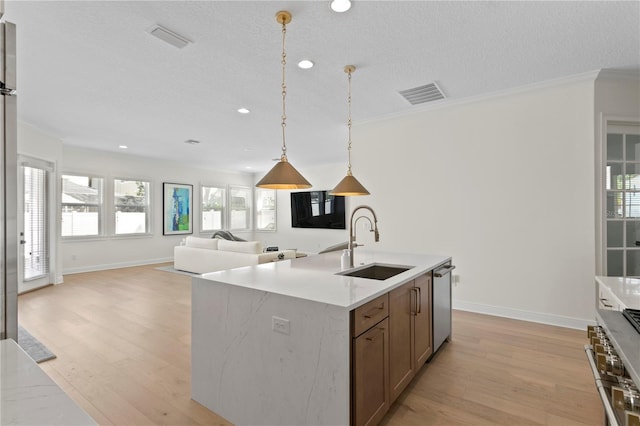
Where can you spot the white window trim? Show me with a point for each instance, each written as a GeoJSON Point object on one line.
{"type": "Point", "coordinates": [255, 211]}
{"type": "Point", "coordinates": [225, 208]}
{"type": "Point", "coordinates": [101, 211]}
{"type": "Point", "coordinates": [112, 209]}
{"type": "Point", "coordinates": [229, 208]}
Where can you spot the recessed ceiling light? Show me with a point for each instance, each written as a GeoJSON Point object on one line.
{"type": "Point", "coordinates": [123, 147]}
{"type": "Point", "coordinates": [243, 111]}
{"type": "Point", "coordinates": [305, 64]}
{"type": "Point", "coordinates": [192, 142]}
{"type": "Point", "coordinates": [248, 167]}
{"type": "Point", "coordinates": [340, 5]}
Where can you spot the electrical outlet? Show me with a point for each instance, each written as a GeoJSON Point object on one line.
{"type": "Point", "coordinates": [280, 325]}
{"type": "Point", "coordinates": [456, 280]}
{"type": "Point", "coordinates": [74, 257]}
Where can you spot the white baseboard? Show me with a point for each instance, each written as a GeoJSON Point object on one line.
{"type": "Point", "coordinates": [94, 268]}
{"type": "Point", "coordinates": [500, 311]}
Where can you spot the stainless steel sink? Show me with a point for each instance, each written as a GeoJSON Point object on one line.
{"type": "Point", "coordinates": [376, 271]}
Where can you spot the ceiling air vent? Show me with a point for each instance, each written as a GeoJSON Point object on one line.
{"type": "Point", "coordinates": [419, 95]}
{"type": "Point", "coordinates": [169, 36]}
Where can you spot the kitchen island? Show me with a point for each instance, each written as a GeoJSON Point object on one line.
{"type": "Point", "coordinates": [272, 343]}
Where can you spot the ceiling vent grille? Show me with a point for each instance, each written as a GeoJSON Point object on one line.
{"type": "Point", "coordinates": [169, 36]}
{"type": "Point", "coordinates": [422, 94]}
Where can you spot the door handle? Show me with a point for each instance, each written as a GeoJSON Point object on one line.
{"type": "Point", "coordinates": [414, 308]}
{"type": "Point", "coordinates": [419, 299]}
{"type": "Point", "coordinates": [444, 271]}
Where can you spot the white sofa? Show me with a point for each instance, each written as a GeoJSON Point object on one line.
{"type": "Point", "coordinates": [202, 255]}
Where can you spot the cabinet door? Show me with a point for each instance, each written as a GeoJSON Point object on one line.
{"type": "Point", "coordinates": [422, 327]}
{"type": "Point", "coordinates": [371, 375]}
{"type": "Point", "coordinates": [402, 304]}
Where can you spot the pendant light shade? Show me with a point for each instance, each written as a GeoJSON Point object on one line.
{"type": "Point", "coordinates": [283, 175]}
{"type": "Point", "coordinates": [349, 186]}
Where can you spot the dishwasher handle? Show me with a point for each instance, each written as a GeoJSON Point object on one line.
{"type": "Point", "coordinates": [443, 271]}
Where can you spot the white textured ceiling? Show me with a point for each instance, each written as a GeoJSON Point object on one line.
{"type": "Point", "coordinates": [90, 74]}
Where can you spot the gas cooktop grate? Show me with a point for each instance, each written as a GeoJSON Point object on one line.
{"type": "Point", "coordinates": [633, 315]}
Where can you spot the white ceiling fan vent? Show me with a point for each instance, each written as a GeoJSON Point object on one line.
{"type": "Point", "coordinates": [169, 36]}
{"type": "Point", "coordinates": [419, 95]}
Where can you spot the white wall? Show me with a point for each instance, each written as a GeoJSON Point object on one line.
{"type": "Point", "coordinates": [504, 185]}
{"type": "Point", "coordinates": [110, 252]}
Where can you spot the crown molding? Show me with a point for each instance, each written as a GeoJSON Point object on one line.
{"type": "Point", "coordinates": [618, 74]}
{"type": "Point", "coordinates": [449, 103]}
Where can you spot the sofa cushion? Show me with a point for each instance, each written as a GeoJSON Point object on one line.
{"type": "Point", "coordinates": [205, 243]}
{"type": "Point", "coordinates": [251, 247]}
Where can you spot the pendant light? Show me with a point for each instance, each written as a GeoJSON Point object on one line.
{"type": "Point", "coordinates": [283, 175]}
{"type": "Point", "coordinates": [349, 185]}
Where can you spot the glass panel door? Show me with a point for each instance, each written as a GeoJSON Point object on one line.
{"type": "Point", "coordinates": [33, 259]}
{"type": "Point", "coordinates": [622, 187]}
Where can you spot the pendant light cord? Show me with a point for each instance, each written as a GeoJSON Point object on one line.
{"type": "Point", "coordinates": [349, 122]}
{"type": "Point", "coordinates": [284, 92]}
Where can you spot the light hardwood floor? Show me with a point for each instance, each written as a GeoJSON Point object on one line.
{"type": "Point", "coordinates": [122, 340]}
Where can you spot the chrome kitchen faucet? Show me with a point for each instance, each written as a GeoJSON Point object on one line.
{"type": "Point", "coordinates": [352, 230]}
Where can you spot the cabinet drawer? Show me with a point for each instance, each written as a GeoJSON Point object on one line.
{"type": "Point", "coordinates": [607, 300]}
{"type": "Point", "coordinates": [369, 314]}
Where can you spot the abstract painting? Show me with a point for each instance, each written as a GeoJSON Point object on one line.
{"type": "Point", "coordinates": [178, 208]}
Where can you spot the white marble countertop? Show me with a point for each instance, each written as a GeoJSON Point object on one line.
{"type": "Point", "coordinates": [627, 290]}
{"type": "Point", "coordinates": [29, 397]}
{"type": "Point", "coordinates": [314, 277]}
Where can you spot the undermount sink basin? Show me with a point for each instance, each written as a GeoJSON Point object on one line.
{"type": "Point", "coordinates": [376, 271]}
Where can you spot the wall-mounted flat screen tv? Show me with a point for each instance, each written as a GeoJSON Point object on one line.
{"type": "Point", "coordinates": [317, 209]}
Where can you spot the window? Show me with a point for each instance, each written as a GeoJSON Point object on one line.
{"type": "Point", "coordinates": [36, 224]}
{"type": "Point", "coordinates": [622, 194]}
{"type": "Point", "coordinates": [213, 208]}
{"type": "Point", "coordinates": [265, 209]}
{"type": "Point", "coordinates": [131, 205]}
{"type": "Point", "coordinates": [240, 208]}
{"type": "Point", "coordinates": [81, 206]}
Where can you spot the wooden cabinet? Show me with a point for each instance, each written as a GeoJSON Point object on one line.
{"type": "Point", "coordinates": [371, 374]}
{"type": "Point", "coordinates": [391, 341]}
{"type": "Point", "coordinates": [369, 314]}
{"type": "Point", "coordinates": [423, 347]}
{"type": "Point", "coordinates": [401, 362]}
{"type": "Point", "coordinates": [409, 332]}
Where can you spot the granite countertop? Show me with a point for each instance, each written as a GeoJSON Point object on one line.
{"type": "Point", "coordinates": [627, 290]}
{"type": "Point", "coordinates": [314, 277]}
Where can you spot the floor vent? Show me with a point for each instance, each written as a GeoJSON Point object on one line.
{"type": "Point", "coordinates": [420, 95]}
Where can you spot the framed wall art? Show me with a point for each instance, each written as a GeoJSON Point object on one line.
{"type": "Point", "coordinates": [177, 200]}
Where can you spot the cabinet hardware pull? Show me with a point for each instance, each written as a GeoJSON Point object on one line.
{"type": "Point", "coordinates": [605, 304]}
{"type": "Point", "coordinates": [373, 312]}
{"type": "Point", "coordinates": [372, 339]}
{"type": "Point", "coordinates": [419, 299]}
{"type": "Point", "coordinates": [414, 303]}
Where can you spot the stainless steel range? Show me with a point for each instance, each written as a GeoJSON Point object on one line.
{"type": "Point", "coordinates": [614, 349]}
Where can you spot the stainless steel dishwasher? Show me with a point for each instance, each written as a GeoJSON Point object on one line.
{"type": "Point", "coordinates": [441, 305]}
